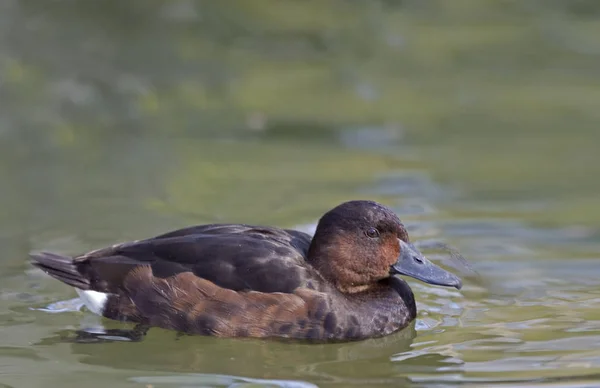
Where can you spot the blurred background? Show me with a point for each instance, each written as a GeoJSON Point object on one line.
{"type": "Point", "coordinates": [476, 120]}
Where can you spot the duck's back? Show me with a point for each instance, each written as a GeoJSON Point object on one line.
{"type": "Point", "coordinates": [233, 256]}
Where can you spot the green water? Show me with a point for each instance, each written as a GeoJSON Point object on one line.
{"type": "Point", "coordinates": [475, 120]}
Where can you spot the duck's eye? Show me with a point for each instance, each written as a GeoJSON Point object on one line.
{"type": "Point", "coordinates": [372, 233]}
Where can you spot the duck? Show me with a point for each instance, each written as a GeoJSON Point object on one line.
{"type": "Point", "coordinates": [241, 280]}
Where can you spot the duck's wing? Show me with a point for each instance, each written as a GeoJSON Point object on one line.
{"type": "Point", "coordinates": [235, 257]}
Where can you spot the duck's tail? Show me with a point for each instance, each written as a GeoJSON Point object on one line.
{"type": "Point", "coordinates": [62, 268]}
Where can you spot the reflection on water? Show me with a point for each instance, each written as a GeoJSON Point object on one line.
{"type": "Point", "coordinates": [211, 380]}
{"type": "Point", "coordinates": [273, 360]}
{"type": "Point", "coordinates": [475, 120]}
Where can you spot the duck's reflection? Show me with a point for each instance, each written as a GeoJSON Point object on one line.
{"type": "Point", "coordinates": [161, 351]}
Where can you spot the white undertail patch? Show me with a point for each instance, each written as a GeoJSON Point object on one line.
{"type": "Point", "coordinates": [94, 301]}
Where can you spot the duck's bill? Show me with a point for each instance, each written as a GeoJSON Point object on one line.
{"type": "Point", "coordinates": [411, 262]}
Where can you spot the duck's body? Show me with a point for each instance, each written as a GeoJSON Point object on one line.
{"type": "Point", "coordinates": [234, 280]}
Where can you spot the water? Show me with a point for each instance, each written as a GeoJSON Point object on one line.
{"type": "Point", "coordinates": [476, 121]}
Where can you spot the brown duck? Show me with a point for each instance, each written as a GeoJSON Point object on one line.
{"type": "Point", "coordinates": [234, 280]}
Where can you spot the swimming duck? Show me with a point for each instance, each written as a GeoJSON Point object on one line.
{"type": "Point", "coordinates": [237, 280]}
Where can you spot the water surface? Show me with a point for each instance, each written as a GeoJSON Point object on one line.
{"type": "Point", "coordinates": [476, 121]}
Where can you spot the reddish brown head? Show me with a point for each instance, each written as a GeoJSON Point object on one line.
{"type": "Point", "coordinates": [359, 243]}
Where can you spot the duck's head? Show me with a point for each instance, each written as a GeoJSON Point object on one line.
{"type": "Point", "coordinates": [360, 243]}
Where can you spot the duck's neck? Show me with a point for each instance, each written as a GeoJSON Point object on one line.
{"type": "Point", "coordinates": [330, 258]}
{"type": "Point", "coordinates": [384, 309]}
